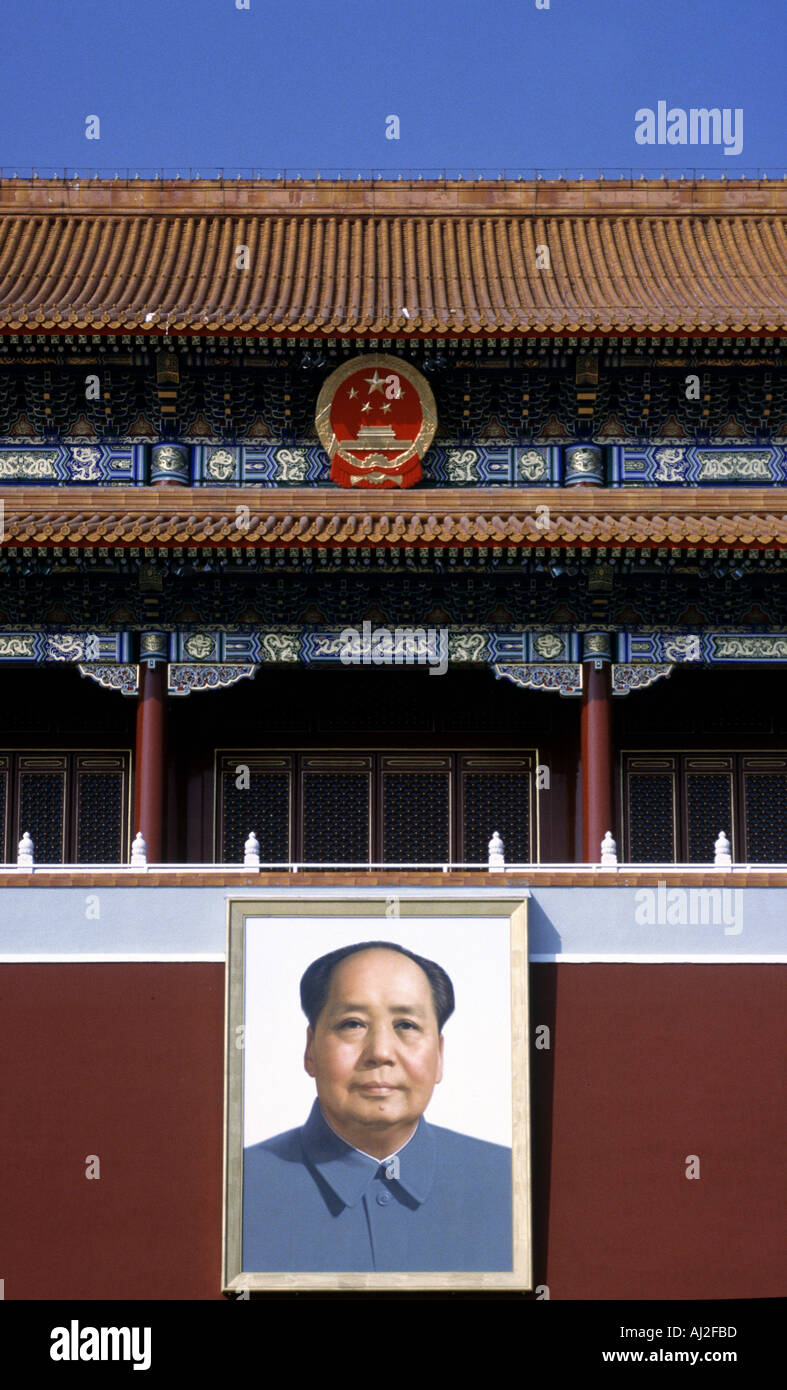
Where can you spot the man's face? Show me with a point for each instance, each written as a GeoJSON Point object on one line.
{"type": "Point", "coordinates": [375, 1052]}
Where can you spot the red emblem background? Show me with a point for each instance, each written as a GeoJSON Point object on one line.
{"type": "Point", "coordinates": [376, 418]}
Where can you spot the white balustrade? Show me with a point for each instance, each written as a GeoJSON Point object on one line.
{"type": "Point", "coordinates": [24, 854]}
{"type": "Point", "coordinates": [139, 856]}
{"type": "Point", "coordinates": [722, 858]}
{"type": "Point", "coordinates": [609, 852]}
{"type": "Point", "coordinates": [497, 862]}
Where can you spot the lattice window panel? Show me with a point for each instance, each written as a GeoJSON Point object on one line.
{"type": "Point", "coordinates": [649, 797]}
{"type": "Point", "coordinates": [494, 798]}
{"type": "Point", "coordinates": [100, 807]}
{"type": "Point", "coordinates": [264, 807]}
{"type": "Point", "coordinates": [709, 809]}
{"type": "Point", "coordinates": [41, 806]}
{"type": "Point", "coordinates": [765, 809]}
{"type": "Point", "coordinates": [335, 811]}
{"type": "Point", "coordinates": [416, 810]}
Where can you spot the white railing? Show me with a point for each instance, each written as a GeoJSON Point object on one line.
{"type": "Point", "coordinates": [495, 863]}
{"type": "Point", "coordinates": [367, 866]}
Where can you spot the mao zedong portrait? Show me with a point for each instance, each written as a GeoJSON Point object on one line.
{"type": "Point", "coordinates": [367, 1184]}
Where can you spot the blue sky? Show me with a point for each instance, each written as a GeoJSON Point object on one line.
{"type": "Point", "coordinates": [307, 85]}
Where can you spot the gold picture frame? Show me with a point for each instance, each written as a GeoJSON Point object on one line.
{"type": "Point", "coordinates": [281, 915]}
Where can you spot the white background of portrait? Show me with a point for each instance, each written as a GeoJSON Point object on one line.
{"type": "Point", "coordinates": [474, 1096]}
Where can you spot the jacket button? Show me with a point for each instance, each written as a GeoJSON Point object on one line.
{"type": "Point", "coordinates": [383, 1198]}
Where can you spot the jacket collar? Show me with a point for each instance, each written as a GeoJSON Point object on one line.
{"type": "Point", "coordinates": [349, 1173]}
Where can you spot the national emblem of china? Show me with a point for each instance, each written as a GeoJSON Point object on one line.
{"type": "Point", "coordinates": [376, 418]}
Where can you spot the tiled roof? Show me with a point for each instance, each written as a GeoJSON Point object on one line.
{"type": "Point", "coordinates": [171, 517]}
{"type": "Point", "coordinates": [393, 259]}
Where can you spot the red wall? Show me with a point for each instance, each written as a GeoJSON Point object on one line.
{"type": "Point", "coordinates": [649, 1063]}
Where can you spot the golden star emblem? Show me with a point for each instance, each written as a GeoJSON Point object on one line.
{"type": "Point", "coordinates": [375, 383]}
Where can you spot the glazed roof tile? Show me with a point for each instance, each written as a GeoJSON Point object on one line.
{"type": "Point", "coordinates": [167, 518]}
{"type": "Point", "coordinates": [382, 259]}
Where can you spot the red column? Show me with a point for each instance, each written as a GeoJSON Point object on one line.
{"type": "Point", "coordinates": [597, 758]}
{"type": "Point", "coordinates": [150, 758]}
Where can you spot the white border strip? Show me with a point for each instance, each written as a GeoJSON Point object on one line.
{"type": "Point", "coordinates": [107, 958]}
{"type": "Point", "coordinates": [654, 958]}
{"type": "Point", "coordinates": [560, 958]}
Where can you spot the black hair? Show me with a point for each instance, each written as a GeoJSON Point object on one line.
{"type": "Point", "coordinates": [316, 979]}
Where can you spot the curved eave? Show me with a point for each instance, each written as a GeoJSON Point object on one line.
{"type": "Point", "coordinates": [170, 518]}
{"type": "Point", "coordinates": [394, 261]}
